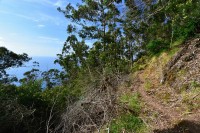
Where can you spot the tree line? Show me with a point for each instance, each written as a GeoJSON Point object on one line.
{"type": "Point", "coordinates": [105, 37]}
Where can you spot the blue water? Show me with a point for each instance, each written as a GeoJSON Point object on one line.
{"type": "Point", "coordinates": [45, 63]}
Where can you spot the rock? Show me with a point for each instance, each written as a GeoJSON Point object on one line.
{"type": "Point", "coordinates": [189, 57]}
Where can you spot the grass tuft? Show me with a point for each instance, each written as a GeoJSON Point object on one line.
{"type": "Point", "coordinates": [127, 123]}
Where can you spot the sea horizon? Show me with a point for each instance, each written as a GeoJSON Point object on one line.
{"type": "Point", "coordinates": [45, 63]}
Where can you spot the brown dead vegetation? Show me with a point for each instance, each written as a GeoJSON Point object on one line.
{"type": "Point", "coordinates": [97, 108]}
{"type": "Point", "coordinates": [168, 89]}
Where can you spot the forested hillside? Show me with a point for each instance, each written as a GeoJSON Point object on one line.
{"type": "Point", "coordinates": [127, 66]}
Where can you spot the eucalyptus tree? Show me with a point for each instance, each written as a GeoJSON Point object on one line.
{"type": "Point", "coordinates": [97, 22]}
{"type": "Point", "coordinates": [159, 23]}
{"type": "Point", "coordinates": [9, 59]}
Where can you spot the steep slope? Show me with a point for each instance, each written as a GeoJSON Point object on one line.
{"type": "Point", "coordinates": [161, 96]}
{"type": "Point", "coordinates": [169, 88]}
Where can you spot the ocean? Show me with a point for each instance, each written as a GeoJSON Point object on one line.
{"type": "Point", "coordinates": [45, 64]}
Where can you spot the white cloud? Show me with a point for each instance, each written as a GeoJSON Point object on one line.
{"type": "Point", "coordinates": [58, 3]}
{"type": "Point", "coordinates": [55, 3]}
{"type": "Point", "coordinates": [20, 15]}
{"type": "Point", "coordinates": [43, 46]}
{"type": "Point", "coordinates": [50, 39]}
{"type": "Point", "coordinates": [40, 26]}
{"type": "Point", "coordinates": [42, 17]}
{"type": "Point", "coordinates": [37, 17]}
{"type": "Point", "coordinates": [43, 2]}
{"type": "Point", "coordinates": [26, 17]}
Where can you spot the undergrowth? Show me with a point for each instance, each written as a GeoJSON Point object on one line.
{"type": "Point", "coordinates": [191, 97]}
{"type": "Point", "coordinates": [132, 101]}
{"type": "Point", "coordinates": [128, 123]}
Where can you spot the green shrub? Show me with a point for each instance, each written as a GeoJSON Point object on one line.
{"type": "Point", "coordinates": [185, 30]}
{"type": "Point", "coordinates": [148, 85]}
{"type": "Point", "coordinates": [127, 123]}
{"type": "Point", "coordinates": [140, 64]}
{"type": "Point", "coordinates": [156, 46]}
{"type": "Point", "coordinates": [132, 101]}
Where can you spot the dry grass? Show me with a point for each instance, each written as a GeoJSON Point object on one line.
{"type": "Point", "coordinates": [153, 72]}
{"type": "Point", "coordinates": [181, 91]}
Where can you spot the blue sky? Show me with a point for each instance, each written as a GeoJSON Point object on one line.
{"type": "Point", "coordinates": [34, 27]}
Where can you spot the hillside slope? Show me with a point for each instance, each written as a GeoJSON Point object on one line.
{"type": "Point", "coordinates": [169, 88]}
{"type": "Point", "coordinates": [162, 95]}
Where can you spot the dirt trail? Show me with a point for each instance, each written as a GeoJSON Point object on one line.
{"type": "Point", "coordinates": [170, 115]}
{"type": "Point", "coordinates": [176, 101]}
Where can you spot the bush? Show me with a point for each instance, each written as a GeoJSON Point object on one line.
{"type": "Point", "coordinates": [156, 46]}
{"type": "Point", "coordinates": [13, 115]}
{"type": "Point", "coordinates": [184, 31]}
{"type": "Point", "coordinates": [28, 108]}
{"type": "Point", "coordinates": [140, 64]}
{"type": "Point", "coordinates": [132, 101]}
{"type": "Point", "coordinates": [127, 123]}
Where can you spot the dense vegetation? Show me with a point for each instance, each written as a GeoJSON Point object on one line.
{"type": "Point", "coordinates": [105, 41]}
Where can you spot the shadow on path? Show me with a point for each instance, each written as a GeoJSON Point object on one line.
{"type": "Point", "coordinates": [184, 126]}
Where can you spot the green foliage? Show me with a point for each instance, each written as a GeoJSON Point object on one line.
{"type": "Point", "coordinates": [177, 43]}
{"type": "Point", "coordinates": [98, 22]}
{"type": "Point", "coordinates": [29, 93]}
{"type": "Point", "coordinates": [13, 114]}
{"type": "Point", "coordinates": [168, 20]}
{"type": "Point", "coordinates": [28, 107]}
{"type": "Point", "coordinates": [195, 84]}
{"type": "Point", "coordinates": [127, 123]}
{"type": "Point", "coordinates": [60, 97]}
{"type": "Point", "coordinates": [148, 85]}
{"type": "Point", "coordinates": [52, 78]}
{"type": "Point", "coordinates": [190, 96]}
{"type": "Point", "coordinates": [184, 31]}
{"type": "Point", "coordinates": [140, 64]}
{"type": "Point", "coordinates": [132, 101]}
{"type": "Point", "coordinates": [148, 27]}
{"type": "Point", "coordinates": [157, 46]}
{"type": "Point", "coordinates": [173, 51]}
{"type": "Point", "coordinates": [10, 59]}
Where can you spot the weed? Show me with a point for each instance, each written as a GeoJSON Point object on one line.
{"type": "Point", "coordinates": [148, 85]}
{"type": "Point", "coordinates": [177, 42]}
{"type": "Point", "coordinates": [166, 96]}
{"type": "Point", "coordinates": [191, 99]}
{"type": "Point", "coordinates": [140, 64]}
{"type": "Point", "coordinates": [127, 123]}
{"type": "Point", "coordinates": [132, 101]}
{"type": "Point", "coordinates": [157, 46]}
{"type": "Point", "coordinates": [181, 73]}
{"type": "Point", "coordinates": [195, 84]}
{"type": "Point", "coordinates": [184, 88]}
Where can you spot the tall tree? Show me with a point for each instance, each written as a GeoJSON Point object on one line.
{"type": "Point", "coordinates": [97, 21]}
{"type": "Point", "coordinates": [10, 59]}
{"type": "Point", "coordinates": [159, 23]}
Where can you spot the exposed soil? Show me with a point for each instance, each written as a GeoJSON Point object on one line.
{"type": "Point", "coordinates": [171, 117]}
